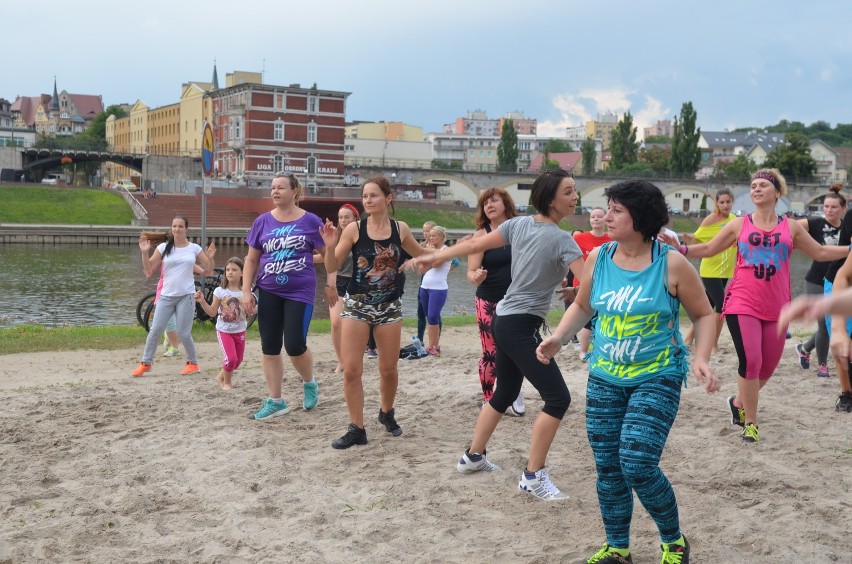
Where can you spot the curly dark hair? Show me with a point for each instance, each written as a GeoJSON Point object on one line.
{"type": "Point", "coordinates": [645, 202]}
{"type": "Point", "coordinates": [544, 189]}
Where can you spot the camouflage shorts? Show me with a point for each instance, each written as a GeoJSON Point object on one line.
{"type": "Point", "coordinates": [378, 314]}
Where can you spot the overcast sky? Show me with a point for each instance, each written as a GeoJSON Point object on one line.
{"type": "Point", "coordinates": [741, 62]}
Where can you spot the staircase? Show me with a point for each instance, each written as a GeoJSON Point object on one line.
{"type": "Point", "coordinates": [165, 207]}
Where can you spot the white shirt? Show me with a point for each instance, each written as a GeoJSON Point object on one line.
{"type": "Point", "coordinates": [177, 269]}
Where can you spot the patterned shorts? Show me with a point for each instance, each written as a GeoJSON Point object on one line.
{"type": "Point", "coordinates": [374, 314]}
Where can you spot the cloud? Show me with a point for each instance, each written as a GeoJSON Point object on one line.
{"type": "Point", "coordinates": [576, 109]}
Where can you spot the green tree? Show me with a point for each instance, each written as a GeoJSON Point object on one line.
{"type": "Point", "coordinates": [507, 150]}
{"type": "Point", "coordinates": [686, 155]}
{"type": "Point", "coordinates": [793, 157]}
{"type": "Point", "coordinates": [97, 129]}
{"type": "Point", "coordinates": [623, 146]}
{"type": "Point", "coordinates": [658, 140]}
{"type": "Point", "coordinates": [557, 146]}
{"type": "Point", "coordinates": [703, 204]}
{"type": "Point", "coordinates": [657, 158]}
{"type": "Point", "coordinates": [740, 168]}
{"type": "Point", "coordinates": [589, 156]}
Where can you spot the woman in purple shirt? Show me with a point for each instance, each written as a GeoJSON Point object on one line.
{"type": "Point", "coordinates": [281, 245]}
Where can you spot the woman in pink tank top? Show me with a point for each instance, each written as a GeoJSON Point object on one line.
{"type": "Point", "coordinates": [759, 289]}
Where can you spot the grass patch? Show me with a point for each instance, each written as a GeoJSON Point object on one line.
{"type": "Point", "coordinates": [61, 205]}
{"type": "Point", "coordinates": [37, 338]}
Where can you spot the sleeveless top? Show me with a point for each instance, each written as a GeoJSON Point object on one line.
{"type": "Point", "coordinates": [637, 334]}
{"type": "Point", "coordinates": [721, 265]}
{"type": "Point", "coordinates": [825, 234]}
{"type": "Point", "coordinates": [498, 263]}
{"type": "Point", "coordinates": [375, 267]}
{"type": "Point", "coordinates": [761, 283]}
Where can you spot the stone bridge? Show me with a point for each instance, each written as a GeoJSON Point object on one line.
{"type": "Point", "coordinates": [465, 186]}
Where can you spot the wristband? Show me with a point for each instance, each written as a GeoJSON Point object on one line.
{"type": "Point", "coordinates": [683, 249]}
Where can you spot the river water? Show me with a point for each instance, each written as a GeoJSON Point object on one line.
{"type": "Point", "coordinates": [101, 285]}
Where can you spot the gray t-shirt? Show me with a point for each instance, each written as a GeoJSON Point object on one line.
{"type": "Point", "coordinates": [541, 253]}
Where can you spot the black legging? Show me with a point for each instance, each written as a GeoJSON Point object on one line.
{"type": "Point", "coordinates": [282, 322]}
{"type": "Point", "coordinates": [517, 337]}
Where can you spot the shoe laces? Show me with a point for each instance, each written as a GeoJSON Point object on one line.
{"type": "Point", "coordinates": [672, 553]}
{"type": "Point", "coordinates": [604, 552]}
{"type": "Point", "coordinates": [545, 482]}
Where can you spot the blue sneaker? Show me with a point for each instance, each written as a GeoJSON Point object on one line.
{"type": "Point", "coordinates": [270, 409]}
{"type": "Point", "coordinates": [311, 394]}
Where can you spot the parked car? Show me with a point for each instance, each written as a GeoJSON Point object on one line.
{"type": "Point", "coordinates": [51, 179]}
{"type": "Point", "coordinates": [127, 185]}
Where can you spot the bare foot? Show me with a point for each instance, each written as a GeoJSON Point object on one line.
{"type": "Point", "coordinates": [220, 379]}
{"type": "Point", "coordinates": [338, 370]}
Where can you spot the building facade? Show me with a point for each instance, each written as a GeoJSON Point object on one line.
{"type": "Point", "coordinates": [57, 115]}
{"type": "Point", "coordinates": [260, 129]}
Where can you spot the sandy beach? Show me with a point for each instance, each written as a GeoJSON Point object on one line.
{"type": "Point", "coordinates": [96, 466]}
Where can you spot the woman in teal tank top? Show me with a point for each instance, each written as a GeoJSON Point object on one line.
{"type": "Point", "coordinates": [638, 364]}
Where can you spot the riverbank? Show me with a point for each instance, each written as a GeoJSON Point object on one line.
{"type": "Point", "coordinates": [101, 467]}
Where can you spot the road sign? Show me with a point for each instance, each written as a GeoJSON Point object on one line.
{"type": "Point", "coordinates": [207, 149]}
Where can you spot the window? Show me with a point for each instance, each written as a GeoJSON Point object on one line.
{"type": "Point", "coordinates": [278, 132]}
{"type": "Point", "coordinates": [677, 194]}
{"type": "Point", "coordinates": [238, 130]}
{"type": "Point", "coordinates": [64, 115]}
{"type": "Point", "coordinates": [312, 165]}
{"type": "Point", "coordinates": [313, 104]}
{"type": "Point", "coordinates": [312, 132]}
{"type": "Point", "coordinates": [278, 163]}
{"type": "Point", "coordinates": [279, 100]}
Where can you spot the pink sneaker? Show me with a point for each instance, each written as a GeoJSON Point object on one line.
{"type": "Point", "coordinates": [434, 351]}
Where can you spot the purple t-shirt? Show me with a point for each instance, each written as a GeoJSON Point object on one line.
{"type": "Point", "coordinates": [286, 266]}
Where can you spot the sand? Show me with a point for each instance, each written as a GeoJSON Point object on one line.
{"type": "Point", "coordinates": [96, 466]}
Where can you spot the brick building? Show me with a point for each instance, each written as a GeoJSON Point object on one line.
{"type": "Point", "coordinates": [260, 129]}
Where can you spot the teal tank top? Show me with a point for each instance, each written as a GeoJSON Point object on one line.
{"type": "Point", "coordinates": [637, 332]}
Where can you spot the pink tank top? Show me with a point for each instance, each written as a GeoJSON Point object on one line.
{"type": "Point", "coordinates": [761, 283]}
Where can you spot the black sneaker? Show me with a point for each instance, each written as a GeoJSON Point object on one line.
{"type": "Point", "coordinates": [737, 413]}
{"type": "Point", "coordinates": [388, 420]}
{"type": "Point", "coordinates": [354, 436]}
{"type": "Point", "coordinates": [844, 402]}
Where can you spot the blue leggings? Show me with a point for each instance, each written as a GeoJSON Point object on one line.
{"type": "Point", "coordinates": [433, 302]}
{"type": "Point", "coordinates": [627, 428]}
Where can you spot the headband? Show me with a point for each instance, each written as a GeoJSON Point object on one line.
{"type": "Point", "coordinates": [770, 177]}
{"type": "Point", "coordinates": [351, 207]}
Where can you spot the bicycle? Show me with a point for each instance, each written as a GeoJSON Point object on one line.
{"type": "Point", "coordinates": [146, 306]}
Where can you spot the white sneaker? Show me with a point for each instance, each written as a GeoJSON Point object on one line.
{"type": "Point", "coordinates": [172, 351]}
{"type": "Point", "coordinates": [467, 466]}
{"type": "Point", "coordinates": [517, 408]}
{"type": "Point", "coordinates": [540, 486]}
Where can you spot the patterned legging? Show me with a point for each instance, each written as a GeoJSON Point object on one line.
{"type": "Point", "coordinates": [627, 428]}
{"type": "Point", "coordinates": [488, 361]}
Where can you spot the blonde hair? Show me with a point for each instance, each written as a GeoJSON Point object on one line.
{"type": "Point", "coordinates": [439, 229]}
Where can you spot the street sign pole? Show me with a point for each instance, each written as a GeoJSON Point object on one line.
{"type": "Point", "coordinates": [207, 154]}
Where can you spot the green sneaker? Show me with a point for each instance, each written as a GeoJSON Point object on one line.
{"type": "Point", "coordinates": [609, 555]}
{"type": "Point", "coordinates": [270, 409]}
{"type": "Point", "coordinates": [311, 394]}
{"type": "Point", "coordinates": [675, 552]}
{"type": "Point", "coordinates": [750, 433]}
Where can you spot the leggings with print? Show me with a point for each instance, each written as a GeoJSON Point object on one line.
{"type": "Point", "coordinates": [233, 347]}
{"type": "Point", "coordinates": [627, 428]}
{"type": "Point", "coordinates": [488, 361]}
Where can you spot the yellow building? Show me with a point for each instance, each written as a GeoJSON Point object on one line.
{"type": "Point", "coordinates": [194, 111]}
{"type": "Point", "coordinates": [163, 135]}
{"type": "Point", "coordinates": [138, 128]}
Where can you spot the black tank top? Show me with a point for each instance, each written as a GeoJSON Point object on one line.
{"type": "Point", "coordinates": [375, 267]}
{"type": "Point", "coordinates": [498, 263]}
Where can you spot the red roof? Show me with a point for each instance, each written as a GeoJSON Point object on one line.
{"type": "Point", "coordinates": [27, 106]}
{"type": "Point", "coordinates": [88, 105]}
{"type": "Point", "coordinates": [566, 161]}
